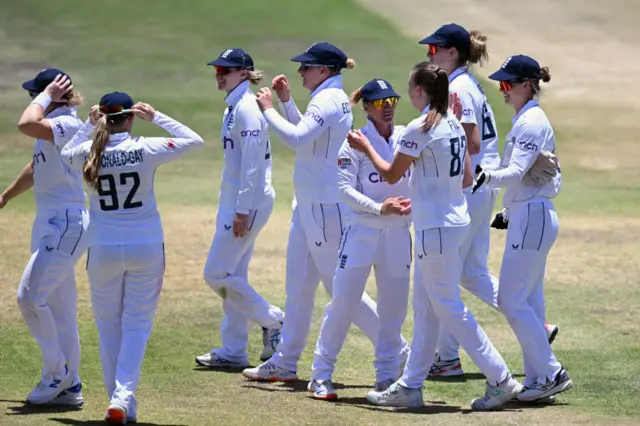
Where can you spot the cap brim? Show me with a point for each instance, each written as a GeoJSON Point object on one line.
{"type": "Point", "coordinates": [30, 85]}
{"type": "Point", "coordinates": [384, 94]}
{"type": "Point", "coordinates": [502, 75]}
{"type": "Point", "coordinates": [221, 62]}
{"type": "Point", "coordinates": [432, 39]}
{"type": "Point", "coordinates": [303, 57]}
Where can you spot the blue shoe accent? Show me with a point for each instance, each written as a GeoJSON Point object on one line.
{"type": "Point", "coordinates": [75, 388]}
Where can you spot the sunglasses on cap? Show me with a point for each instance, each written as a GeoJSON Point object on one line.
{"type": "Point", "coordinates": [113, 110]}
{"type": "Point", "coordinates": [305, 66]}
{"type": "Point", "coordinates": [225, 70]}
{"type": "Point", "coordinates": [507, 85]}
{"type": "Point", "coordinates": [379, 104]}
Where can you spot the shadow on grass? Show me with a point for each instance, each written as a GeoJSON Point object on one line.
{"type": "Point", "coordinates": [228, 370]}
{"type": "Point", "coordinates": [25, 409]}
{"type": "Point", "coordinates": [102, 423]}
{"type": "Point", "coordinates": [431, 407]}
{"type": "Point", "coordinates": [297, 386]}
{"type": "Point", "coordinates": [457, 379]}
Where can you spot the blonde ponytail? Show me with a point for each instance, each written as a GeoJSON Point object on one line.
{"type": "Point", "coordinates": [255, 77]}
{"type": "Point", "coordinates": [356, 96]}
{"type": "Point", "coordinates": [478, 53]}
{"type": "Point", "coordinates": [351, 64]}
{"type": "Point", "coordinates": [545, 76]}
{"type": "Point", "coordinates": [91, 169]}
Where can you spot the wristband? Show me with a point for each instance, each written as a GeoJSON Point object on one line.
{"type": "Point", "coordinates": [43, 99]}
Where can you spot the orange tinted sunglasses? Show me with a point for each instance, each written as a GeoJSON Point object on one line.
{"type": "Point", "coordinates": [113, 110]}
{"type": "Point", "coordinates": [224, 70]}
{"type": "Point", "coordinates": [433, 49]}
{"type": "Point", "coordinates": [381, 103]}
{"type": "Point", "coordinates": [507, 85]}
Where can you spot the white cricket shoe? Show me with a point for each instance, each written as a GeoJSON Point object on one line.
{"type": "Point", "coordinates": [397, 395]}
{"type": "Point", "coordinates": [71, 396]}
{"type": "Point", "coordinates": [322, 389]}
{"type": "Point", "coordinates": [269, 372]}
{"type": "Point", "coordinates": [540, 391]}
{"type": "Point", "coordinates": [552, 332]}
{"type": "Point", "coordinates": [446, 368]}
{"type": "Point", "coordinates": [383, 385]}
{"type": "Point", "coordinates": [47, 391]}
{"type": "Point", "coordinates": [496, 396]}
{"type": "Point", "coordinates": [213, 360]}
{"type": "Point", "coordinates": [270, 340]}
{"type": "Point", "coordinates": [116, 415]}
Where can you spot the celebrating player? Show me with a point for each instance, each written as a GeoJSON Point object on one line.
{"type": "Point", "coordinates": [436, 142]}
{"type": "Point", "coordinates": [454, 49]}
{"type": "Point", "coordinates": [533, 225]}
{"type": "Point", "coordinates": [317, 223]}
{"type": "Point", "coordinates": [376, 234]}
{"type": "Point", "coordinates": [47, 295]}
{"type": "Point", "coordinates": [126, 244]}
{"type": "Point", "coordinates": [246, 202]}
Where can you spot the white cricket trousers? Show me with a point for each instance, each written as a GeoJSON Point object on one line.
{"type": "Point", "coordinates": [312, 253]}
{"type": "Point", "coordinates": [436, 301]}
{"type": "Point", "coordinates": [125, 282]}
{"type": "Point", "coordinates": [389, 251]}
{"type": "Point", "coordinates": [533, 229]}
{"type": "Point", "coordinates": [47, 294]}
{"type": "Point", "coordinates": [475, 271]}
{"type": "Point", "coordinates": [227, 273]}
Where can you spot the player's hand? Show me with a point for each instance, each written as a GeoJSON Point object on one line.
{"type": "Point", "coordinates": [395, 205]}
{"type": "Point", "coordinates": [59, 88]}
{"type": "Point", "coordinates": [544, 169]}
{"type": "Point", "coordinates": [281, 85]}
{"type": "Point", "coordinates": [264, 97]}
{"type": "Point", "coordinates": [94, 114]}
{"type": "Point", "coordinates": [482, 178]}
{"type": "Point", "coordinates": [358, 141]}
{"type": "Point", "coordinates": [500, 221]}
{"type": "Point", "coordinates": [240, 225]}
{"type": "Point", "coordinates": [455, 105]}
{"type": "Point", "coordinates": [143, 111]}
{"type": "Point", "coordinates": [3, 201]}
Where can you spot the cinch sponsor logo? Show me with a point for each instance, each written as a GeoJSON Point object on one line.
{"type": "Point", "coordinates": [529, 146]}
{"type": "Point", "coordinates": [409, 144]}
{"type": "Point", "coordinates": [227, 141]}
{"type": "Point", "coordinates": [246, 133]}
{"type": "Point", "coordinates": [316, 117]}
{"type": "Point", "coordinates": [466, 111]}
{"type": "Point", "coordinates": [374, 177]}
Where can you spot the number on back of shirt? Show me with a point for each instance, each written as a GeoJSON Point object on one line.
{"type": "Point", "coordinates": [458, 151]}
{"type": "Point", "coordinates": [488, 131]}
{"type": "Point", "coordinates": [109, 192]}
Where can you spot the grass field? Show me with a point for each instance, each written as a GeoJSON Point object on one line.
{"type": "Point", "coordinates": [157, 51]}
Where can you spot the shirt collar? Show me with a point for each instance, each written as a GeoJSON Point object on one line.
{"type": "Point", "coordinates": [531, 104]}
{"type": "Point", "coordinates": [119, 137]}
{"type": "Point", "coordinates": [426, 109]}
{"type": "Point", "coordinates": [237, 93]}
{"type": "Point", "coordinates": [333, 82]}
{"type": "Point", "coordinates": [372, 133]}
{"type": "Point", "coordinates": [457, 73]}
{"type": "Point", "coordinates": [64, 110]}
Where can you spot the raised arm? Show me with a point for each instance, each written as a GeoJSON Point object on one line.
{"type": "Point", "coordinates": [391, 172]}
{"type": "Point", "coordinates": [288, 107]}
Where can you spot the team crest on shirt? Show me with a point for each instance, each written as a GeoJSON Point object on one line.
{"type": "Point", "coordinates": [60, 129]}
{"type": "Point", "coordinates": [344, 162]}
{"type": "Point", "coordinates": [171, 145]}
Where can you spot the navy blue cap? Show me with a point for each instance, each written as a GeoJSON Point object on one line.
{"type": "Point", "coordinates": [323, 54]}
{"type": "Point", "coordinates": [115, 103]}
{"type": "Point", "coordinates": [234, 58]}
{"type": "Point", "coordinates": [377, 89]}
{"type": "Point", "coordinates": [42, 80]}
{"type": "Point", "coordinates": [518, 67]}
{"type": "Point", "coordinates": [450, 35]}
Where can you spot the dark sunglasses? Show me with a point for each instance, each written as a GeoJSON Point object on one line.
{"type": "Point", "coordinates": [305, 66]}
{"type": "Point", "coordinates": [225, 70]}
{"type": "Point", "coordinates": [379, 104]}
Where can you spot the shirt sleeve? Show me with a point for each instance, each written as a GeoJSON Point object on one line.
{"type": "Point", "coordinates": [253, 146]}
{"type": "Point", "coordinates": [468, 108]}
{"type": "Point", "coordinates": [348, 167]}
{"type": "Point", "coordinates": [63, 128]}
{"type": "Point", "coordinates": [290, 111]}
{"type": "Point", "coordinates": [168, 149]}
{"type": "Point", "coordinates": [413, 141]}
{"type": "Point", "coordinates": [316, 120]}
{"type": "Point", "coordinates": [526, 148]}
{"type": "Point", "coordinates": [74, 154]}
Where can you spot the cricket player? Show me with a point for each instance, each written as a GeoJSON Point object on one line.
{"type": "Point", "coordinates": [318, 214]}
{"type": "Point", "coordinates": [532, 225]}
{"type": "Point", "coordinates": [377, 234]}
{"type": "Point", "coordinates": [245, 204]}
{"type": "Point", "coordinates": [126, 258]}
{"type": "Point", "coordinates": [455, 49]}
{"type": "Point", "coordinates": [436, 142]}
{"type": "Point", "coordinates": [47, 294]}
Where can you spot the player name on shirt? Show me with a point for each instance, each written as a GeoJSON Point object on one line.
{"type": "Point", "coordinates": [118, 159]}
